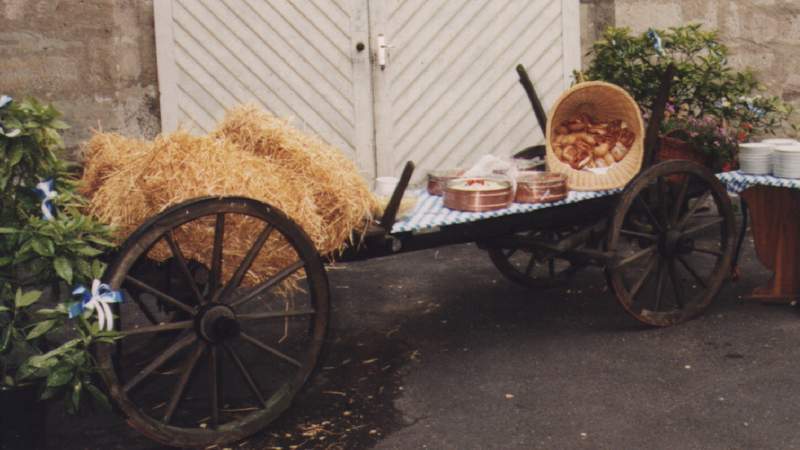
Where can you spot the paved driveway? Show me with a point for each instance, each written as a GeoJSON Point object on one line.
{"type": "Point", "coordinates": [437, 350]}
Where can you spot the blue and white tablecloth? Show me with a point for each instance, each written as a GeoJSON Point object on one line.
{"type": "Point", "coordinates": [430, 213]}
{"type": "Point", "coordinates": [737, 182]}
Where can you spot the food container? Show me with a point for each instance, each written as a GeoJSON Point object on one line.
{"type": "Point", "coordinates": [755, 158]}
{"type": "Point", "coordinates": [541, 187]}
{"type": "Point", "coordinates": [437, 179]}
{"type": "Point", "coordinates": [477, 194]}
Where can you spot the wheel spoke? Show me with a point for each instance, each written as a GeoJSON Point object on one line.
{"type": "Point", "coordinates": [158, 328]}
{"type": "Point", "coordinates": [178, 254]}
{"type": "Point", "coordinates": [651, 264]}
{"type": "Point", "coordinates": [636, 256]}
{"type": "Point", "coordinates": [276, 314]}
{"type": "Point", "coordinates": [245, 374]}
{"type": "Point", "coordinates": [280, 276]}
{"type": "Point", "coordinates": [653, 220]}
{"type": "Point", "coordinates": [659, 285]}
{"type": "Point", "coordinates": [213, 373]}
{"type": "Point", "coordinates": [703, 226]}
{"type": "Point", "coordinates": [673, 276]}
{"type": "Point", "coordinates": [662, 200]}
{"type": "Point", "coordinates": [165, 297]}
{"type": "Point", "coordinates": [689, 269]}
{"type": "Point", "coordinates": [144, 308]}
{"type": "Point", "coordinates": [529, 267]}
{"type": "Point", "coordinates": [269, 349]}
{"type": "Point", "coordinates": [708, 251]}
{"type": "Point", "coordinates": [698, 202]}
{"type": "Point", "coordinates": [179, 345]}
{"type": "Point", "coordinates": [215, 278]}
{"type": "Point", "coordinates": [649, 237]}
{"type": "Point", "coordinates": [676, 210]}
{"type": "Point", "coordinates": [247, 261]}
{"type": "Point", "coordinates": [186, 373]}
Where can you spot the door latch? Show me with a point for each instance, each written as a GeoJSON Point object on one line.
{"type": "Point", "coordinates": [382, 48]}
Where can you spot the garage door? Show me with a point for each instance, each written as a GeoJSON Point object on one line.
{"type": "Point", "coordinates": [386, 81]}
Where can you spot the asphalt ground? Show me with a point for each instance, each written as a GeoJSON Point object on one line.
{"type": "Point", "coordinates": [437, 350]}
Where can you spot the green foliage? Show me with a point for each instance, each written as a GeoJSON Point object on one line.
{"type": "Point", "coordinates": [36, 252]}
{"type": "Point", "coordinates": [704, 85]}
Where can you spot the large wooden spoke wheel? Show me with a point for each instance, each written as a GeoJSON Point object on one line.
{"type": "Point", "coordinates": [216, 348]}
{"type": "Point", "coordinates": [531, 268]}
{"type": "Point", "coordinates": [673, 236]}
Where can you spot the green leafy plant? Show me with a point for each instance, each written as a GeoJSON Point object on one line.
{"type": "Point", "coordinates": [704, 86]}
{"type": "Point", "coordinates": [46, 242]}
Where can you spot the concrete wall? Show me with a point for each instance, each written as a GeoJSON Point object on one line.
{"type": "Point", "coordinates": [95, 59]}
{"type": "Point", "coordinates": [763, 35]}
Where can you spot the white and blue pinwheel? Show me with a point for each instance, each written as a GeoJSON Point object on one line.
{"type": "Point", "coordinates": [656, 40]}
{"type": "Point", "coordinates": [99, 299]}
{"type": "Point", "coordinates": [47, 194]}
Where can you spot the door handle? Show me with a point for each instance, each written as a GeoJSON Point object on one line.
{"type": "Point", "coordinates": [382, 51]}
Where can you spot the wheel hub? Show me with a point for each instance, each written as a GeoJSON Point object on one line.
{"type": "Point", "coordinates": [669, 242]}
{"type": "Point", "coordinates": [216, 323]}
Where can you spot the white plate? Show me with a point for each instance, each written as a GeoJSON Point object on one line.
{"type": "Point", "coordinates": [780, 141]}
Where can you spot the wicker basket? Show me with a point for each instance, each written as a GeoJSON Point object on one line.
{"type": "Point", "coordinates": [605, 102]}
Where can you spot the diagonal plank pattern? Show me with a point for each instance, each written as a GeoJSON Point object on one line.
{"type": "Point", "coordinates": [454, 91]}
{"type": "Point", "coordinates": [292, 58]}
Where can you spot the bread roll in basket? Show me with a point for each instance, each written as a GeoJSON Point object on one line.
{"type": "Point", "coordinates": [603, 102]}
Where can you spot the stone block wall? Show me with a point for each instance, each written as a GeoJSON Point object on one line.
{"type": "Point", "coordinates": [763, 35]}
{"type": "Point", "coordinates": [95, 59]}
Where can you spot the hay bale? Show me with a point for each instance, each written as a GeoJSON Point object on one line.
{"type": "Point", "coordinates": [251, 154]}
{"type": "Point", "coordinates": [342, 196]}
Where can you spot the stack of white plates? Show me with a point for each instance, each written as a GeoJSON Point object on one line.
{"type": "Point", "coordinates": [780, 141]}
{"type": "Point", "coordinates": [787, 161]}
{"type": "Point", "coordinates": [755, 158]}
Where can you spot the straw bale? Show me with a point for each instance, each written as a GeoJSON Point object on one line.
{"type": "Point", "coordinates": [251, 154]}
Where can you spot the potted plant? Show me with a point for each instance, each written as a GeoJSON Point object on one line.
{"type": "Point", "coordinates": [705, 88]}
{"type": "Point", "coordinates": [46, 244]}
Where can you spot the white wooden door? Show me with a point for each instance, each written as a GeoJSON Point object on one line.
{"type": "Point", "coordinates": [449, 92]}
{"type": "Point", "coordinates": [297, 59]}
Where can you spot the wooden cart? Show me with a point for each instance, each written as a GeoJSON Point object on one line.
{"type": "Point", "coordinates": [203, 361]}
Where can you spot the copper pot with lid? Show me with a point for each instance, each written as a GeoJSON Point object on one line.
{"type": "Point", "coordinates": [478, 194]}
{"type": "Point", "coordinates": [541, 187]}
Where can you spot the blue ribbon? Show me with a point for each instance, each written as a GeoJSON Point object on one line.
{"type": "Point", "coordinates": [98, 299]}
{"type": "Point", "coordinates": [656, 40]}
{"type": "Point", "coordinates": [47, 194]}
{"type": "Point", "coordinates": [5, 100]}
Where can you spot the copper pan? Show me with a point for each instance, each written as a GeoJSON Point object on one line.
{"type": "Point", "coordinates": [541, 187]}
{"type": "Point", "coordinates": [437, 179]}
{"type": "Point", "coordinates": [459, 196]}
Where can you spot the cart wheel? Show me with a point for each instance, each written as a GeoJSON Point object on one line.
{"type": "Point", "coordinates": [530, 268]}
{"type": "Point", "coordinates": [231, 351]}
{"type": "Point", "coordinates": [673, 236]}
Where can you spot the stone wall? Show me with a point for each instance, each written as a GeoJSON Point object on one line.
{"type": "Point", "coordinates": [763, 35]}
{"type": "Point", "coordinates": [93, 59]}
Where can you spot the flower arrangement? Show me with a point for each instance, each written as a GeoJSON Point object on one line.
{"type": "Point", "coordinates": [46, 243]}
{"type": "Point", "coordinates": [705, 90]}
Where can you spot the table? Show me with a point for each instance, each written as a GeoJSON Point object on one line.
{"type": "Point", "coordinates": [774, 205]}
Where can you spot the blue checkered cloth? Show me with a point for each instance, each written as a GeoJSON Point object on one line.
{"type": "Point", "coordinates": [429, 212]}
{"type": "Point", "coordinates": [737, 182]}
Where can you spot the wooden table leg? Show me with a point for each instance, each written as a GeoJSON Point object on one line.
{"type": "Point", "coordinates": [775, 214]}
